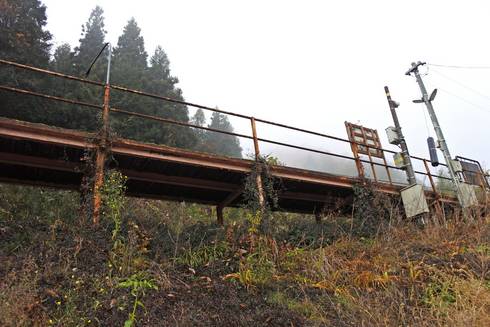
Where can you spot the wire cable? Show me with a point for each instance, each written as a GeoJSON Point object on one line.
{"type": "Point", "coordinates": [461, 84]}
{"type": "Point", "coordinates": [487, 110]}
{"type": "Point", "coordinates": [459, 67]}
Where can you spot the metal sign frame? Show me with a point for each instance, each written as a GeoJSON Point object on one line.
{"type": "Point", "coordinates": [366, 141]}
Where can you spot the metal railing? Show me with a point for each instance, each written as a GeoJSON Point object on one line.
{"type": "Point", "coordinates": [254, 137]}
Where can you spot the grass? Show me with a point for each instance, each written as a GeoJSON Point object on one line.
{"type": "Point", "coordinates": [153, 263]}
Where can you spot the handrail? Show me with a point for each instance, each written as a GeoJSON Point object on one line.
{"type": "Point", "coordinates": [168, 99]}
{"type": "Point", "coordinates": [50, 72]}
{"type": "Point", "coordinates": [175, 122]}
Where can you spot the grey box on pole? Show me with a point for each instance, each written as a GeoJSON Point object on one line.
{"type": "Point", "coordinates": [414, 201]}
{"type": "Point", "coordinates": [468, 195]}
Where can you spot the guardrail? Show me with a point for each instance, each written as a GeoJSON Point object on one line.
{"type": "Point", "coordinates": [106, 109]}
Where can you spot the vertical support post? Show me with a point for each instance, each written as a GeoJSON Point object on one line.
{"type": "Point", "coordinates": [219, 214]}
{"type": "Point", "coordinates": [260, 188]}
{"type": "Point", "coordinates": [432, 184]}
{"type": "Point", "coordinates": [100, 159]}
{"type": "Point", "coordinates": [437, 204]}
{"type": "Point", "coordinates": [369, 155]}
{"type": "Point", "coordinates": [101, 154]}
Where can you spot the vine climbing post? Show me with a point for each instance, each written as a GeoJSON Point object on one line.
{"type": "Point", "coordinates": [260, 188]}
{"type": "Point", "coordinates": [102, 148]}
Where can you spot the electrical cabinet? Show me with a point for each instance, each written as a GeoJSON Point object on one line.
{"type": "Point", "coordinates": [414, 201]}
{"type": "Point", "coordinates": [468, 195]}
{"type": "Point", "coordinates": [393, 136]}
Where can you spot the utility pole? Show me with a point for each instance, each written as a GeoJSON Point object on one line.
{"type": "Point", "coordinates": [437, 128]}
{"type": "Point", "coordinates": [401, 139]}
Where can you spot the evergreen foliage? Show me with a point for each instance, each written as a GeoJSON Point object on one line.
{"type": "Point", "coordinates": [24, 39]}
{"type": "Point", "coordinates": [220, 143]}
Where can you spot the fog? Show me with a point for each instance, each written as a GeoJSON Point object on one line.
{"type": "Point", "coordinates": [316, 64]}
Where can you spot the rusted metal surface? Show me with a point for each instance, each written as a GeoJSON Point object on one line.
{"type": "Point", "coordinates": [48, 137]}
{"type": "Point", "coordinates": [355, 151]}
{"type": "Point", "coordinates": [175, 122]}
{"type": "Point", "coordinates": [167, 99]}
{"type": "Point", "coordinates": [473, 172]}
{"type": "Point", "coordinates": [431, 180]}
{"type": "Point", "coordinates": [258, 173]}
{"type": "Point", "coordinates": [50, 72]}
{"type": "Point", "coordinates": [366, 139]}
{"type": "Point", "coordinates": [50, 97]}
{"type": "Point", "coordinates": [100, 157]}
{"type": "Point", "coordinates": [306, 190]}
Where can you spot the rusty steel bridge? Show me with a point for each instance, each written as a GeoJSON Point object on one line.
{"type": "Point", "coordinates": [37, 154]}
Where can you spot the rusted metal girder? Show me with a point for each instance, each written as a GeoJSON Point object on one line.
{"type": "Point", "coordinates": [41, 134]}
{"type": "Point", "coordinates": [226, 202]}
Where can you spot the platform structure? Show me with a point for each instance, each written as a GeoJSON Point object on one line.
{"type": "Point", "coordinates": [38, 154]}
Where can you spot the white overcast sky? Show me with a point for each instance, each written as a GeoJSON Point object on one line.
{"type": "Point", "coordinates": [316, 64]}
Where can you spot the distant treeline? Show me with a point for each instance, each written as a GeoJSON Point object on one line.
{"type": "Point", "coordinates": [24, 39]}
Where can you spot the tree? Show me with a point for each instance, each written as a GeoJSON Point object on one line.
{"type": "Point", "coordinates": [91, 41]}
{"type": "Point", "coordinates": [63, 60]}
{"type": "Point", "coordinates": [160, 81]}
{"type": "Point", "coordinates": [22, 35]}
{"type": "Point", "coordinates": [220, 143]}
{"type": "Point", "coordinates": [23, 39]}
{"type": "Point", "coordinates": [199, 118]}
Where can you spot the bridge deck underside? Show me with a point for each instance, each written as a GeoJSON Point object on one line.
{"type": "Point", "coordinates": [46, 156]}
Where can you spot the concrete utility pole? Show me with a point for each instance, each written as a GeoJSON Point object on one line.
{"type": "Point", "coordinates": [401, 139]}
{"type": "Point", "coordinates": [437, 128]}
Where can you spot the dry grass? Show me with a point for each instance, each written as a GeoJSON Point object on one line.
{"type": "Point", "coordinates": [56, 272]}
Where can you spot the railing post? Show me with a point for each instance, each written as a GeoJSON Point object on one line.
{"type": "Point", "coordinates": [260, 188]}
{"type": "Point", "coordinates": [437, 203]}
{"type": "Point", "coordinates": [101, 156]}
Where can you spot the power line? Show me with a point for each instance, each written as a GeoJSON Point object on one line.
{"type": "Point", "coordinates": [459, 67]}
{"type": "Point", "coordinates": [461, 84]}
{"type": "Point", "coordinates": [467, 101]}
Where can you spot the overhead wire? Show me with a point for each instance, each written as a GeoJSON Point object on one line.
{"type": "Point", "coordinates": [485, 109]}
{"type": "Point", "coordinates": [461, 84]}
{"type": "Point", "coordinates": [459, 67]}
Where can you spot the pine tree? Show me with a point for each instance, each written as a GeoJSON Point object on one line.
{"type": "Point", "coordinates": [92, 40]}
{"type": "Point", "coordinates": [129, 68]}
{"type": "Point", "coordinates": [22, 35]}
{"type": "Point", "coordinates": [63, 60]}
{"type": "Point", "coordinates": [160, 81]}
{"type": "Point", "coordinates": [199, 118]}
{"type": "Point", "coordinates": [220, 143]}
{"type": "Point", "coordinates": [23, 39]}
